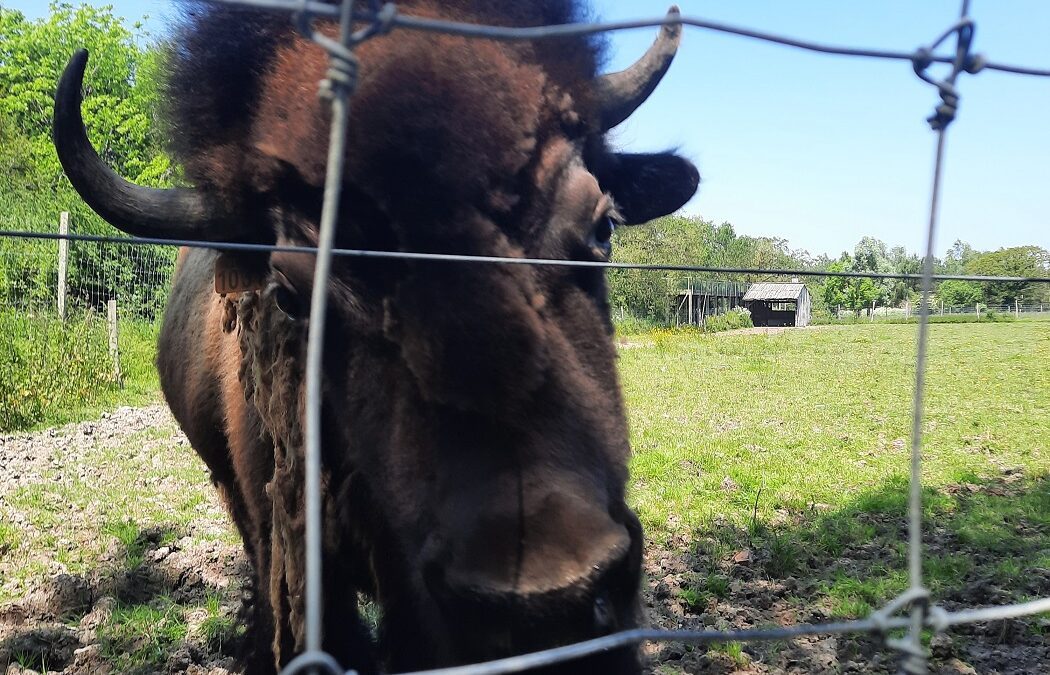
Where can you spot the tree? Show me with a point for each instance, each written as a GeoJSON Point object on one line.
{"type": "Point", "coordinates": [855, 294]}
{"type": "Point", "coordinates": [903, 290]}
{"type": "Point", "coordinates": [684, 240]}
{"type": "Point", "coordinates": [119, 111]}
{"type": "Point", "coordinates": [870, 255]}
{"type": "Point", "coordinates": [120, 95]}
{"type": "Point", "coordinates": [1019, 261]}
{"type": "Point", "coordinates": [956, 293]}
{"type": "Point", "coordinates": [956, 257]}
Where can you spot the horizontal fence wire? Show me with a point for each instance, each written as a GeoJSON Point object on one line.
{"type": "Point", "coordinates": [388, 18]}
{"type": "Point", "coordinates": [938, 621]}
{"type": "Point", "coordinates": [382, 19]}
{"type": "Point", "coordinates": [540, 262]}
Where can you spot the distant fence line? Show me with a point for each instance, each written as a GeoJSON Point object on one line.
{"type": "Point", "coordinates": [66, 278]}
{"type": "Point", "coordinates": [911, 310]}
{"type": "Point", "coordinates": [67, 310]}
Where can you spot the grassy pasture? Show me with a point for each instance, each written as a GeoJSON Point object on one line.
{"type": "Point", "coordinates": [822, 416]}
{"type": "Point", "coordinates": [789, 453]}
{"type": "Point", "coordinates": [772, 462]}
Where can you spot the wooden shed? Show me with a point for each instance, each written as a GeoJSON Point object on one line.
{"type": "Point", "coordinates": [776, 304]}
{"type": "Point", "coordinates": [701, 298]}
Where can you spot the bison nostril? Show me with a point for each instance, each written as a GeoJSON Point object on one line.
{"type": "Point", "coordinates": [603, 616]}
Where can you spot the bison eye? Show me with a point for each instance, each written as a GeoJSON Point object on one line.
{"type": "Point", "coordinates": [601, 235]}
{"type": "Point", "coordinates": [288, 301]}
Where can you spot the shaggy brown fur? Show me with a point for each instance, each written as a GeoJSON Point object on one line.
{"type": "Point", "coordinates": [475, 443]}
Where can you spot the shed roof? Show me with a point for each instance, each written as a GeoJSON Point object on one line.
{"type": "Point", "coordinates": [774, 292]}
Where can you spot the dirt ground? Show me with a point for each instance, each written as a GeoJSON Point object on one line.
{"type": "Point", "coordinates": [68, 616]}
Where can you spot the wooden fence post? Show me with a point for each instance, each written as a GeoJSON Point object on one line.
{"type": "Point", "coordinates": [114, 349]}
{"type": "Point", "coordinates": [63, 255]}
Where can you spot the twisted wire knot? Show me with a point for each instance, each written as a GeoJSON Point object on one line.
{"type": "Point", "coordinates": [341, 77]}
{"type": "Point", "coordinates": [965, 62]}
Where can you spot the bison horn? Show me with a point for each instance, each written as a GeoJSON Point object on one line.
{"type": "Point", "coordinates": [144, 212]}
{"type": "Point", "coordinates": [619, 94]}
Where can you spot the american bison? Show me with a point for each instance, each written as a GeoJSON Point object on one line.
{"type": "Point", "coordinates": [474, 438]}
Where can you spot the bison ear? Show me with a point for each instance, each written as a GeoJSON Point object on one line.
{"type": "Point", "coordinates": [648, 186]}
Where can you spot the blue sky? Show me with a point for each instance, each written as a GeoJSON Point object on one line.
{"type": "Point", "coordinates": [822, 150]}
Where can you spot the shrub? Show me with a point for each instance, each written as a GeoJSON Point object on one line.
{"type": "Point", "coordinates": [633, 325]}
{"type": "Point", "coordinates": [731, 320]}
{"type": "Point", "coordinates": [51, 369]}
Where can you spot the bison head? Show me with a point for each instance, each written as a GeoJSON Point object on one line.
{"type": "Point", "coordinates": [475, 444]}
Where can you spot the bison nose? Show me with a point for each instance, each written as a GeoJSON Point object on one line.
{"type": "Point", "coordinates": [559, 556]}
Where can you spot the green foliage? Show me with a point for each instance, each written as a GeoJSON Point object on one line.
{"type": "Point", "coordinates": [850, 293]}
{"type": "Point", "coordinates": [956, 257]}
{"type": "Point", "coordinates": [52, 371]}
{"type": "Point", "coordinates": [118, 107]}
{"type": "Point", "coordinates": [632, 325]}
{"type": "Point", "coordinates": [121, 95]}
{"type": "Point", "coordinates": [682, 240]}
{"type": "Point", "coordinates": [731, 320]}
{"type": "Point", "coordinates": [960, 293]}
{"type": "Point", "coordinates": [1019, 261]}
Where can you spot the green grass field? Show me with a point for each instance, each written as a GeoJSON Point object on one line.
{"type": "Point", "coordinates": [770, 464]}
{"type": "Point", "coordinates": [821, 415]}
{"type": "Point", "coordinates": [795, 448]}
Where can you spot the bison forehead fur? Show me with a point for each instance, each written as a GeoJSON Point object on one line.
{"type": "Point", "coordinates": [468, 121]}
{"type": "Point", "coordinates": [474, 441]}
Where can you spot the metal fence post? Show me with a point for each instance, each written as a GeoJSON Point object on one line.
{"type": "Point", "coordinates": [63, 254]}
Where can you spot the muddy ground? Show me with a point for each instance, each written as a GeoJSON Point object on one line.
{"type": "Point", "coordinates": [67, 612]}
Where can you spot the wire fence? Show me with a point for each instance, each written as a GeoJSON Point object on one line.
{"type": "Point", "coordinates": [79, 320]}
{"type": "Point", "coordinates": [67, 277]}
{"type": "Point", "coordinates": [1034, 310]}
{"type": "Point", "coordinates": [912, 612]}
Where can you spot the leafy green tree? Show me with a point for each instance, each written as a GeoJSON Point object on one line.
{"type": "Point", "coordinates": [956, 257]}
{"type": "Point", "coordinates": [118, 105]}
{"type": "Point", "coordinates": [901, 290]}
{"type": "Point", "coordinates": [849, 293]}
{"type": "Point", "coordinates": [955, 293]}
{"type": "Point", "coordinates": [121, 95]}
{"type": "Point", "coordinates": [683, 240]}
{"type": "Point", "coordinates": [1019, 261]}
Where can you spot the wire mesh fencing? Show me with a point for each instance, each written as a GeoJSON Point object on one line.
{"type": "Point", "coordinates": [912, 612]}
{"type": "Point", "coordinates": [916, 600]}
{"type": "Point", "coordinates": [79, 319]}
